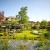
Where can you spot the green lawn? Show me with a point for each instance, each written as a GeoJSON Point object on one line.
{"type": "Point", "coordinates": [1, 33]}
{"type": "Point", "coordinates": [26, 34]}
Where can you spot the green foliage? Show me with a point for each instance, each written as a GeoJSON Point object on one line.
{"type": "Point", "coordinates": [40, 43]}
{"type": "Point", "coordinates": [48, 28]}
{"type": "Point", "coordinates": [34, 27]}
{"type": "Point", "coordinates": [43, 24]}
{"type": "Point", "coordinates": [23, 16]}
{"type": "Point", "coordinates": [25, 34]}
{"type": "Point", "coordinates": [47, 35]}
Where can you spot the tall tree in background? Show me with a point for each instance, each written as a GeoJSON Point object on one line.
{"type": "Point", "coordinates": [23, 16]}
{"type": "Point", "coordinates": [43, 24]}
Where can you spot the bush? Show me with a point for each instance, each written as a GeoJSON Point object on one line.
{"type": "Point", "coordinates": [40, 44]}
{"type": "Point", "coordinates": [34, 27]}
{"type": "Point", "coordinates": [47, 34]}
{"type": "Point", "coordinates": [48, 28]}
{"type": "Point", "coordinates": [18, 30]}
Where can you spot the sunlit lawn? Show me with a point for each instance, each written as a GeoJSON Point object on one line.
{"type": "Point", "coordinates": [26, 34]}
{"type": "Point", "coordinates": [1, 33]}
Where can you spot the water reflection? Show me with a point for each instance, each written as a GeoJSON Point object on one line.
{"type": "Point", "coordinates": [14, 44]}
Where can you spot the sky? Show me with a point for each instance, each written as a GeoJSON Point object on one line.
{"type": "Point", "coordinates": [38, 10]}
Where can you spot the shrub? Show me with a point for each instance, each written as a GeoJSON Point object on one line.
{"type": "Point", "coordinates": [34, 27]}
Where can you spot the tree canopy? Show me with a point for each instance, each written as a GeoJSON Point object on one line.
{"type": "Point", "coordinates": [23, 15]}
{"type": "Point", "coordinates": [43, 24]}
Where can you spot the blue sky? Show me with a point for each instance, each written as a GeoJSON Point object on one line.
{"type": "Point", "coordinates": [38, 10]}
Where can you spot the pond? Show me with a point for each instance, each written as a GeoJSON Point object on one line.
{"type": "Point", "coordinates": [13, 44]}
{"type": "Point", "coordinates": [19, 45]}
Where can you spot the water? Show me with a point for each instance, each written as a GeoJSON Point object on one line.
{"type": "Point", "coordinates": [21, 44]}
{"type": "Point", "coordinates": [14, 44]}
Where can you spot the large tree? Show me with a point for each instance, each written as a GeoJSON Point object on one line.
{"type": "Point", "coordinates": [23, 16]}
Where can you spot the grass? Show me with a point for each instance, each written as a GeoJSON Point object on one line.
{"type": "Point", "coordinates": [1, 33]}
{"type": "Point", "coordinates": [43, 31]}
{"type": "Point", "coordinates": [26, 34]}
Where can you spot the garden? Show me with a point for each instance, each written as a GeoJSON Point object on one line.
{"type": "Point", "coordinates": [22, 34]}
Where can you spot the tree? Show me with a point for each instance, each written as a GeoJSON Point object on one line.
{"type": "Point", "coordinates": [1, 16]}
{"type": "Point", "coordinates": [17, 17]}
{"type": "Point", "coordinates": [23, 16]}
{"type": "Point", "coordinates": [48, 26]}
{"type": "Point", "coordinates": [38, 24]}
{"type": "Point", "coordinates": [43, 24]}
